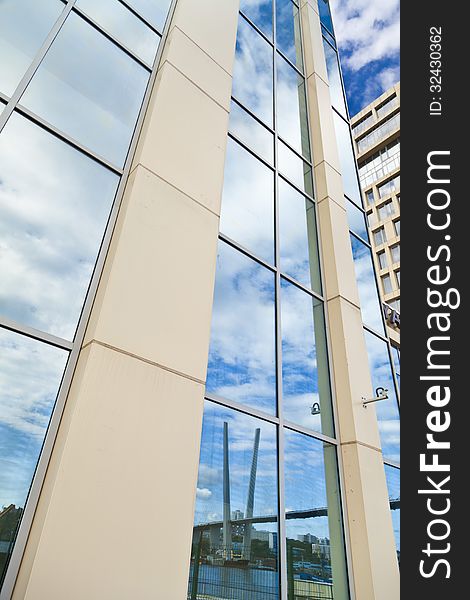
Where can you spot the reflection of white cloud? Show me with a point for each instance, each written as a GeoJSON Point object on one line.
{"type": "Point", "coordinates": [203, 494]}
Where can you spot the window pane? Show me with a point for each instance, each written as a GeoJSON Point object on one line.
{"type": "Point", "coordinates": [30, 375]}
{"type": "Point", "coordinates": [325, 14]}
{"type": "Point", "coordinates": [316, 566]}
{"type": "Point", "coordinates": [260, 12]}
{"type": "Point", "coordinates": [396, 359]}
{"type": "Point", "coordinates": [89, 88]}
{"type": "Point", "coordinates": [356, 220]}
{"type": "Point", "coordinates": [247, 214]}
{"type": "Point", "coordinates": [393, 483]}
{"type": "Point", "coordinates": [387, 284]}
{"type": "Point", "coordinates": [154, 11]}
{"type": "Point", "coordinates": [370, 197]}
{"type": "Point", "coordinates": [291, 107]}
{"type": "Point", "coordinates": [347, 159]}
{"type": "Point", "coordinates": [294, 168]}
{"type": "Point", "coordinates": [253, 72]}
{"type": "Point", "coordinates": [242, 350]}
{"type": "Point", "coordinates": [387, 410]}
{"type": "Point", "coordinates": [235, 535]}
{"type": "Point", "coordinates": [395, 250]}
{"type": "Point", "coordinates": [397, 226]}
{"type": "Point", "coordinates": [305, 376]}
{"type": "Point", "coordinates": [334, 78]}
{"type": "Point", "coordinates": [288, 32]}
{"type": "Point", "coordinates": [54, 205]}
{"type": "Point", "coordinates": [24, 25]}
{"type": "Point", "coordinates": [382, 260]}
{"type": "Point", "coordinates": [251, 133]}
{"type": "Point", "coordinates": [386, 210]}
{"type": "Point", "coordinates": [115, 18]}
{"type": "Point", "coordinates": [298, 245]}
{"type": "Point", "coordinates": [379, 236]}
{"type": "Point", "coordinates": [365, 277]}
{"type": "Point", "coordinates": [381, 132]}
{"type": "Point", "coordinates": [387, 106]}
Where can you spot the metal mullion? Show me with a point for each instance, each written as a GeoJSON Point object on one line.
{"type": "Point", "coordinates": [252, 114]}
{"type": "Point", "coordinates": [296, 187]}
{"type": "Point", "coordinates": [289, 62]}
{"type": "Point", "coordinates": [140, 17]}
{"type": "Point", "coordinates": [4, 97]}
{"type": "Point", "coordinates": [77, 10]}
{"type": "Point", "coordinates": [49, 441]}
{"type": "Point", "coordinates": [302, 287]}
{"type": "Point", "coordinates": [391, 463]}
{"type": "Point", "coordinates": [246, 252]}
{"type": "Point", "coordinates": [40, 54]}
{"type": "Point", "coordinates": [239, 407]}
{"type": "Point", "coordinates": [370, 330]}
{"type": "Point", "coordinates": [256, 28]}
{"type": "Point", "coordinates": [250, 150]}
{"type": "Point", "coordinates": [310, 433]}
{"type": "Point", "coordinates": [64, 137]}
{"type": "Point", "coordinates": [296, 152]}
{"type": "Point", "coordinates": [358, 237]}
{"type": "Point", "coordinates": [35, 334]}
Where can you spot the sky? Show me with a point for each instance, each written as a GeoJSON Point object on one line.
{"type": "Point", "coordinates": [368, 37]}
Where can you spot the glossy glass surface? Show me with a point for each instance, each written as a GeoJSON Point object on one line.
{"type": "Point", "coordinates": [325, 14]}
{"type": "Point", "coordinates": [89, 88]}
{"type": "Point", "coordinates": [294, 168]}
{"type": "Point", "coordinates": [334, 78]}
{"type": "Point", "coordinates": [250, 132]}
{"type": "Point", "coordinates": [388, 415]}
{"type": "Point", "coordinates": [234, 552]}
{"type": "Point", "coordinates": [291, 107]}
{"type": "Point", "coordinates": [365, 277]}
{"type": "Point", "coordinates": [247, 213]}
{"type": "Point", "coordinates": [242, 350]}
{"type": "Point", "coordinates": [154, 11]}
{"type": "Point", "coordinates": [298, 245]}
{"type": "Point", "coordinates": [347, 160]}
{"type": "Point", "coordinates": [393, 483]}
{"type": "Point", "coordinates": [260, 12]}
{"type": "Point", "coordinates": [395, 251]}
{"type": "Point", "coordinates": [305, 377]}
{"type": "Point", "coordinates": [24, 25]}
{"type": "Point", "coordinates": [382, 259]}
{"type": "Point", "coordinates": [253, 72]}
{"type": "Point", "coordinates": [315, 557]}
{"type": "Point", "coordinates": [386, 210]}
{"type": "Point", "coordinates": [288, 32]}
{"type": "Point", "coordinates": [381, 132]}
{"type": "Point", "coordinates": [379, 236]}
{"type": "Point", "coordinates": [54, 205]}
{"type": "Point", "coordinates": [389, 187]}
{"type": "Point", "coordinates": [30, 375]}
{"type": "Point", "coordinates": [386, 284]}
{"type": "Point", "coordinates": [396, 361]}
{"type": "Point", "coordinates": [117, 20]}
{"type": "Point", "coordinates": [356, 220]}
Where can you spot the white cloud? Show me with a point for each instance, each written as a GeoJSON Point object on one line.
{"type": "Point", "coordinates": [203, 494]}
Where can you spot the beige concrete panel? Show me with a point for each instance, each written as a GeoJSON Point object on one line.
{"type": "Point", "coordinates": [312, 3]}
{"type": "Point", "coordinates": [338, 266]}
{"type": "Point", "coordinates": [198, 66]}
{"type": "Point", "coordinates": [323, 134]}
{"type": "Point", "coordinates": [351, 374]}
{"type": "Point", "coordinates": [155, 296]}
{"type": "Point", "coordinates": [184, 138]}
{"type": "Point", "coordinates": [212, 25]}
{"type": "Point", "coordinates": [375, 566]}
{"type": "Point", "coordinates": [119, 521]}
{"type": "Point", "coordinates": [328, 184]}
{"type": "Point", "coordinates": [313, 44]}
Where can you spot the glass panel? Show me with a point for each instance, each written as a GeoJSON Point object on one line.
{"type": "Point", "coordinates": [24, 25]}
{"type": "Point", "coordinates": [347, 160]}
{"type": "Point", "coordinates": [89, 88]}
{"type": "Point", "coordinates": [380, 164]}
{"type": "Point", "coordinates": [382, 131]}
{"type": "Point", "coordinates": [253, 72]}
{"type": "Point", "coordinates": [288, 32]}
{"type": "Point", "coordinates": [387, 410]}
{"type": "Point", "coordinates": [154, 11]}
{"type": "Point", "coordinates": [363, 124]}
{"type": "Point", "coordinates": [54, 205]}
{"type": "Point", "coordinates": [370, 196]}
{"type": "Point", "coordinates": [298, 245]}
{"type": "Point", "coordinates": [116, 19]}
{"type": "Point", "coordinates": [387, 284]}
{"type": "Point", "coordinates": [294, 168]}
{"type": "Point", "coordinates": [30, 375]}
{"type": "Point", "coordinates": [395, 250]}
{"type": "Point", "coordinates": [235, 535]}
{"type": "Point", "coordinates": [242, 350]}
{"type": "Point", "coordinates": [365, 277]}
{"type": "Point", "coordinates": [386, 210]}
{"type": "Point", "coordinates": [260, 12]}
{"type": "Point", "coordinates": [336, 86]}
{"type": "Point", "coordinates": [393, 483]}
{"type": "Point", "coordinates": [251, 133]}
{"type": "Point", "coordinates": [325, 14]}
{"type": "Point", "coordinates": [382, 260]}
{"type": "Point", "coordinates": [291, 107]}
{"type": "Point", "coordinates": [387, 188]}
{"type": "Point", "coordinates": [316, 566]}
{"type": "Point", "coordinates": [396, 359]}
{"type": "Point", "coordinates": [397, 226]}
{"type": "Point", "coordinates": [328, 36]}
{"type": "Point", "coordinates": [305, 377]}
{"type": "Point", "coordinates": [247, 214]}
{"type": "Point", "coordinates": [356, 220]}
{"type": "Point", "coordinates": [379, 236]}
{"type": "Point", "coordinates": [387, 106]}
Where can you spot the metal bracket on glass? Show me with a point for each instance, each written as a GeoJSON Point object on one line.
{"type": "Point", "coordinates": [380, 394]}
{"type": "Point", "coordinates": [315, 410]}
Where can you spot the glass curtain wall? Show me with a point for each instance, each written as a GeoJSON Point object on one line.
{"type": "Point", "coordinates": [268, 520]}
{"type": "Point", "coordinates": [72, 84]}
{"type": "Point", "coordinates": [378, 346]}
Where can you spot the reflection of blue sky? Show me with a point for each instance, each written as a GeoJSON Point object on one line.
{"type": "Point", "coordinates": [387, 410]}
{"type": "Point", "coordinates": [242, 353]}
{"type": "Point", "coordinates": [356, 220]}
{"type": "Point", "coordinates": [288, 31]}
{"type": "Point", "coordinates": [294, 168]}
{"type": "Point", "coordinates": [251, 133]}
{"type": "Point", "coordinates": [21, 37]}
{"type": "Point", "coordinates": [155, 11]}
{"type": "Point", "coordinates": [30, 373]}
{"type": "Point", "coordinates": [347, 160]}
{"type": "Point", "coordinates": [87, 76]}
{"type": "Point", "coordinates": [241, 433]}
{"type": "Point", "coordinates": [247, 214]}
{"type": "Point", "coordinates": [334, 78]}
{"type": "Point", "coordinates": [54, 204]}
{"type": "Point", "coordinates": [300, 337]}
{"type": "Point", "coordinates": [260, 12]}
{"type": "Point", "coordinates": [396, 363]}
{"type": "Point", "coordinates": [393, 483]}
{"type": "Point", "coordinates": [365, 277]}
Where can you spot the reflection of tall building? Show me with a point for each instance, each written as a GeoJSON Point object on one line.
{"type": "Point", "coordinates": [178, 274]}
